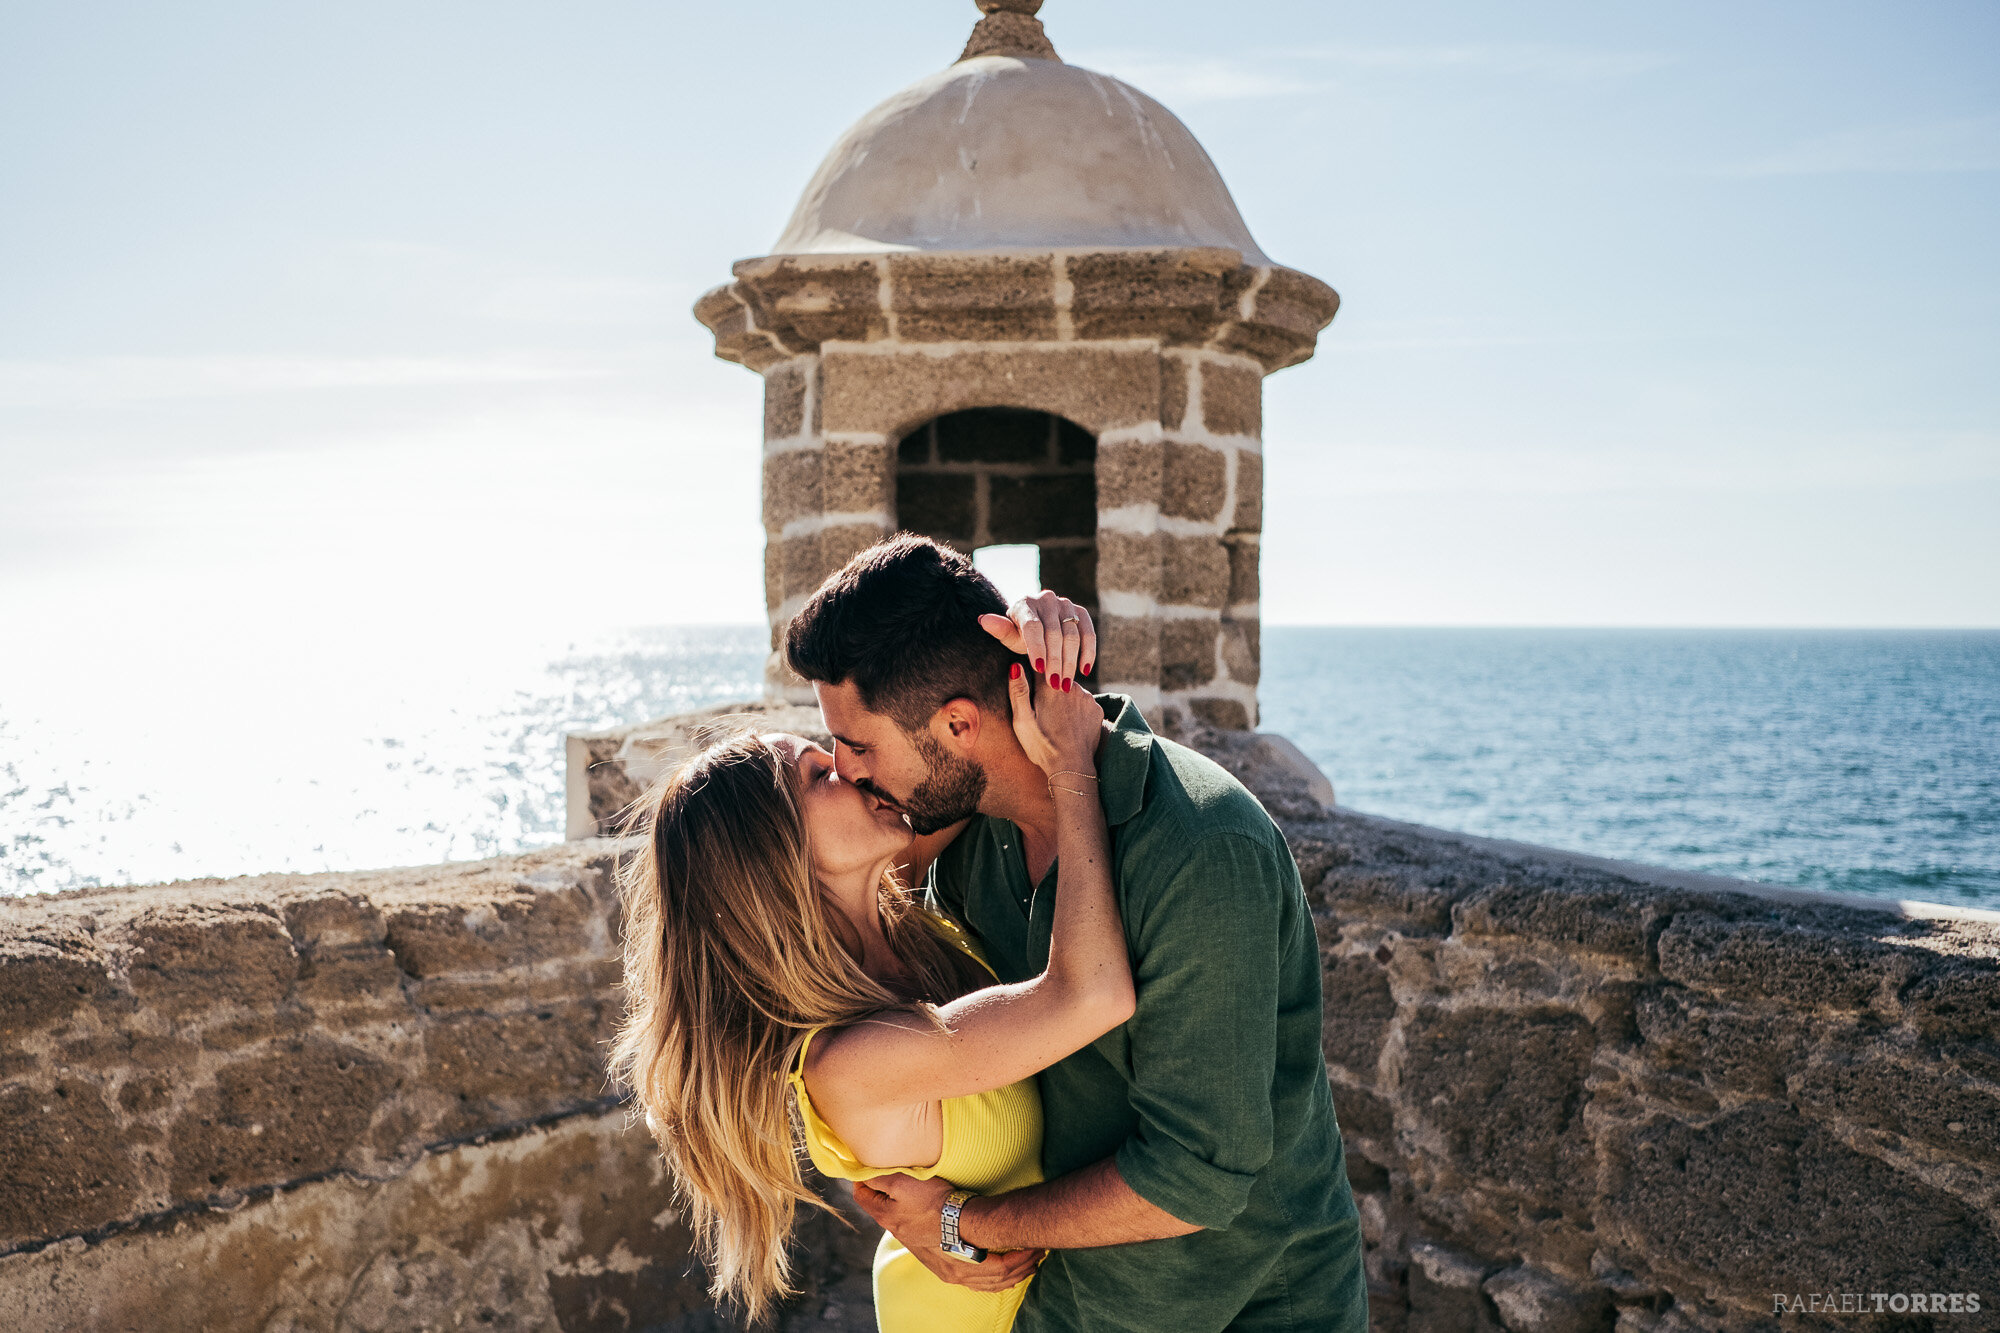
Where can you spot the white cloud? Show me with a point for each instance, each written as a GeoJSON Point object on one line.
{"type": "Point", "coordinates": [1966, 143]}
{"type": "Point", "coordinates": [1444, 341]}
{"type": "Point", "coordinates": [1507, 463]}
{"type": "Point", "coordinates": [390, 248]}
{"type": "Point", "coordinates": [89, 381]}
{"type": "Point", "coordinates": [593, 302]}
{"type": "Point", "coordinates": [559, 510]}
{"type": "Point", "coordinates": [1524, 59]}
{"type": "Point", "coordinates": [1180, 81]}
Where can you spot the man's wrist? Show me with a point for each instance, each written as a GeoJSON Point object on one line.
{"type": "Point", "coordinates": [949, 1238]}
{"type": "Point", "coordinates": [970, 1215]}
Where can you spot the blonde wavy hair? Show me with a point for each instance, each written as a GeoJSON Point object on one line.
{"type": "Point", "coordinates": [732, 956]}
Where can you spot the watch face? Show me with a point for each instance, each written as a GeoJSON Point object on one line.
{"type": "Point", "coordinates": [948, 1229]}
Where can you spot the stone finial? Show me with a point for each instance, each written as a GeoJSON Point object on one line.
{"type": "Point", "coordinates": [1010, 28]}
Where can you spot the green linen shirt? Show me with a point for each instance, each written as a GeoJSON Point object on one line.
{"type": "Point", "coordinates": [1213, 1099]}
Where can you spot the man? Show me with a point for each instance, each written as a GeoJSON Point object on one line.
{"type": "Point", "coordinates": [1195, 1178]}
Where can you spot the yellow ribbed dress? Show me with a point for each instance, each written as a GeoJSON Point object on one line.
{"type": "Point", "coordinates": [992, 1143]}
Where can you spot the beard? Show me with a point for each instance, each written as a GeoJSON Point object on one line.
{"type": "Point", "coordinates": [950, 790]}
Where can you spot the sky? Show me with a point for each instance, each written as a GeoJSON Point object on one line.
{"type": "Point", "coordinates": [332, 319]}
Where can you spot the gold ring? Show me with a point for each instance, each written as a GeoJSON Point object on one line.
{"type": "Point", "coordinates": [1072, 620]}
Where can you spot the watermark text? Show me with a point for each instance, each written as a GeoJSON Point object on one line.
{"type": "Point", "coordinates": [1877, 1302]}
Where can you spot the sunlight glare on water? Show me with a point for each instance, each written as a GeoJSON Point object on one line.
{"type": "Point", "coordinates": [231, 762]}
{"type": "Point", "coordinates": [1866, 762]}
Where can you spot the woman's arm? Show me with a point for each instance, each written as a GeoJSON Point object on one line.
{"type": "Point", "coordinates": [1002, 1034]}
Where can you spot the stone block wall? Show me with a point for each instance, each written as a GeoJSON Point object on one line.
{"type": "Point", "coordinates": [1576, 1097]}
{"type": "Point", "coordinates": [1158, 356]}
{"type": "Point", "coordinates": [1583, 1096]}
{"type": "Point", "coordinates": [1179, 519]}
{"type": "Point", "coordinates": [372, 1101]}
{"type": "Point", "coordinates": [824, 499]}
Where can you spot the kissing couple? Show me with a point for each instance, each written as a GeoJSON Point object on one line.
{"type": "Point", "coordinates": [1043, 984]}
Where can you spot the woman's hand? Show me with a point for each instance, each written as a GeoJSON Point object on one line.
{"type": "Point", "coordinates": [1059, 729]}
{"type": "Point", "coordinates": [1052, 632]}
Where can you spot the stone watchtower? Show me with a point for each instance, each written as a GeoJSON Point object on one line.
{"type": "Point", "coordinates": [1016, 304]}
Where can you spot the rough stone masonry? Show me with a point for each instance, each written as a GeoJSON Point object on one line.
{"type": "Point", "coordinates": [890, 381]}
{"type": "Point", "coordinates": [370, 1101]}
{"type": "Point", "coordinates": [1572, 1100]}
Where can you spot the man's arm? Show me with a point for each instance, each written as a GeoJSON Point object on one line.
{"type": "Point", "coordinates": [1091, 1206]}
{"type": "Point", "coordinates": [1000, 1269]}
{"type": "Point", "coordinates": [1088, 1207]}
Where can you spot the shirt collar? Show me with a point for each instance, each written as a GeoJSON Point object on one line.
{"type": "Point", "coordinates": [1124, 760]}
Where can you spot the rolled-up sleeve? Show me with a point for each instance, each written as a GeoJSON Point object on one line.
{"type": "Point", "coordinates": [1204, 1037]}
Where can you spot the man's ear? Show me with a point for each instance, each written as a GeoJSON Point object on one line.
{"type": "Point", "coordinates": [956, 725]}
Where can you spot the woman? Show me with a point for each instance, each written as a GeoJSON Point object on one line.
{"type": "Point", "coordinates": [774, 967]}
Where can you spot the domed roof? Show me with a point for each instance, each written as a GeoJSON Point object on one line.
{"type": "Point", "coordinates": [999, 152]}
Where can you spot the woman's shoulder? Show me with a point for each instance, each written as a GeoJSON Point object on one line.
{"type": "Point", "coordinates": [836, 1064]}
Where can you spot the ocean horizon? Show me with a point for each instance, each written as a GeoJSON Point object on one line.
{"type": "Point", "coordinates": [1858, 761]}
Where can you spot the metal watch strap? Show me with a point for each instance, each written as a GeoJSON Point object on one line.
{"type": "Point", "coordinates": [954, 1202]}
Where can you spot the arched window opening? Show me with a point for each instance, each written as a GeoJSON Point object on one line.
{"type": "Point", "coordinates": [1015, 568]}
{"type": "Point", "coordinates": [994, 477]}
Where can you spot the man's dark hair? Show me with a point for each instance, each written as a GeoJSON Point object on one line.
{"type": "Point", "coordinates": [901, 622]}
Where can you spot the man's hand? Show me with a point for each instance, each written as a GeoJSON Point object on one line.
{"type": "Point", "coordinates": [1052, 632]}
{"type": "Point", "coordinates": [907, 1208]}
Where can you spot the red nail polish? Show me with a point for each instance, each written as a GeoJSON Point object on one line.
{"type": "Point", "coordinates": [1039, 667]}
{"type": "Point", "coordinates": [1013, 671]}
{"type": "Point", "coordinates": [1066, 686]}
{"type": "Point", "coordinates": [1087, 667]}
{"type": "Point", "coordinates": [1055, 681]}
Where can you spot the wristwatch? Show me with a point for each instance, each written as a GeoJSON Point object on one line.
{"type": "Point", "coordinates": [948, 1228]}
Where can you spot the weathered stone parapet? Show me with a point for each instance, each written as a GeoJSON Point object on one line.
{"type": "Point", "coordinates": [354, 1101]}
{"type": "Point", "coordinates": [1574, 1093]}
{"type": "Point", "coordinates": [1573, 1096]}
{"type": "Point", "coordinates": [564, 1225]}
{"type": "Point", "coordinates": [567, 1224]}
{"type": "Point", "coordinates": [175, 1048]}
{"type": "Point", "coordinates": [784, 306]}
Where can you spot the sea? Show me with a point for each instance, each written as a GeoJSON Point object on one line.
{"type": "Point", "coordinates": [1860, 761]}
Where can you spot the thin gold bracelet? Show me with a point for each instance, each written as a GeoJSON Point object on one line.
{"type": "Point", "coordinates": [1072, 773]}
{"type": "Point", "coordinates": [1073, 791]}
